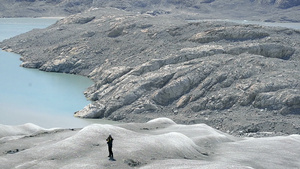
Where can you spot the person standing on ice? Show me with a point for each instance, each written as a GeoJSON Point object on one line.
{"type": "Point", "coordinates": [109, 141]}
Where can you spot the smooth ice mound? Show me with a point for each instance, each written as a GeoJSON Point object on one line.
{"type": "Point", "coordinates": [7, 132]}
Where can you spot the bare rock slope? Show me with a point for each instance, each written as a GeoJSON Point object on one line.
{"type": "Point", "coordinates": [238, 78]}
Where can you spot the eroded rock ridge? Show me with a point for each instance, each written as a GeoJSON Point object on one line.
{"type": "Point", "coordinates": [237, 78]}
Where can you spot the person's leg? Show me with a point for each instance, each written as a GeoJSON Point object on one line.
{"type": "Point", "coordinates": [110, 151]}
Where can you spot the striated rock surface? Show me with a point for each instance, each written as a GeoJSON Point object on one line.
{"type": "Point", "coordinates": [236, 78]}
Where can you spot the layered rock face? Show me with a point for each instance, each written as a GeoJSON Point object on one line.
{"type": "Point", "coordinates": [237, 78]}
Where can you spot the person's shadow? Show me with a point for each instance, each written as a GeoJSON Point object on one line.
{"type": "Point", "coordinates": [112, 159]}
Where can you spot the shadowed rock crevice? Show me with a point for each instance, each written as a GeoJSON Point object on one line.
{"type": "Point", "coordinates": [267, 50]}
{"type": "Point", "coordinates": [13, 151]}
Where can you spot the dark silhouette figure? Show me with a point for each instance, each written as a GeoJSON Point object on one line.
{"type": "Point", "coordinates": [110, 143]}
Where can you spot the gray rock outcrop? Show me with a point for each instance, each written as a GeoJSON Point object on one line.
{"type": "Point", "coordinates": [232, 77]}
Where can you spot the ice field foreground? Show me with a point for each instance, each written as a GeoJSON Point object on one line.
{"type": "Point", "coordinates": [159, 143]}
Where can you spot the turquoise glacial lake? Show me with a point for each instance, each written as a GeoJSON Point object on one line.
{"type": "Point", "coordinates": [47, 99]}
{"type": "Point", "coordinates": [31, 96]}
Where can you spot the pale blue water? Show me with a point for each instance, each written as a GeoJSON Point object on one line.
{"type": "Point", "coordinates": [10, 27]}
{"type": "Point", "coordinates": [32, 96]}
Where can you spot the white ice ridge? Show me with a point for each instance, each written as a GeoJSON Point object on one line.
{"type": "Point", "coordinates": [159, 143]}
{"type": "Point", "coordinates": [26, 129]}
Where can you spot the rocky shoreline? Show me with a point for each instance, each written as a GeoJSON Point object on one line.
{"type": "Point", "coordinates": [240, 79]}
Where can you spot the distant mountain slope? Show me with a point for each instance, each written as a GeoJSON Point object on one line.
{"type": "Point", "coordinates": [284, 4]}
{"type": "Point", "coordinates": [275, 10]}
